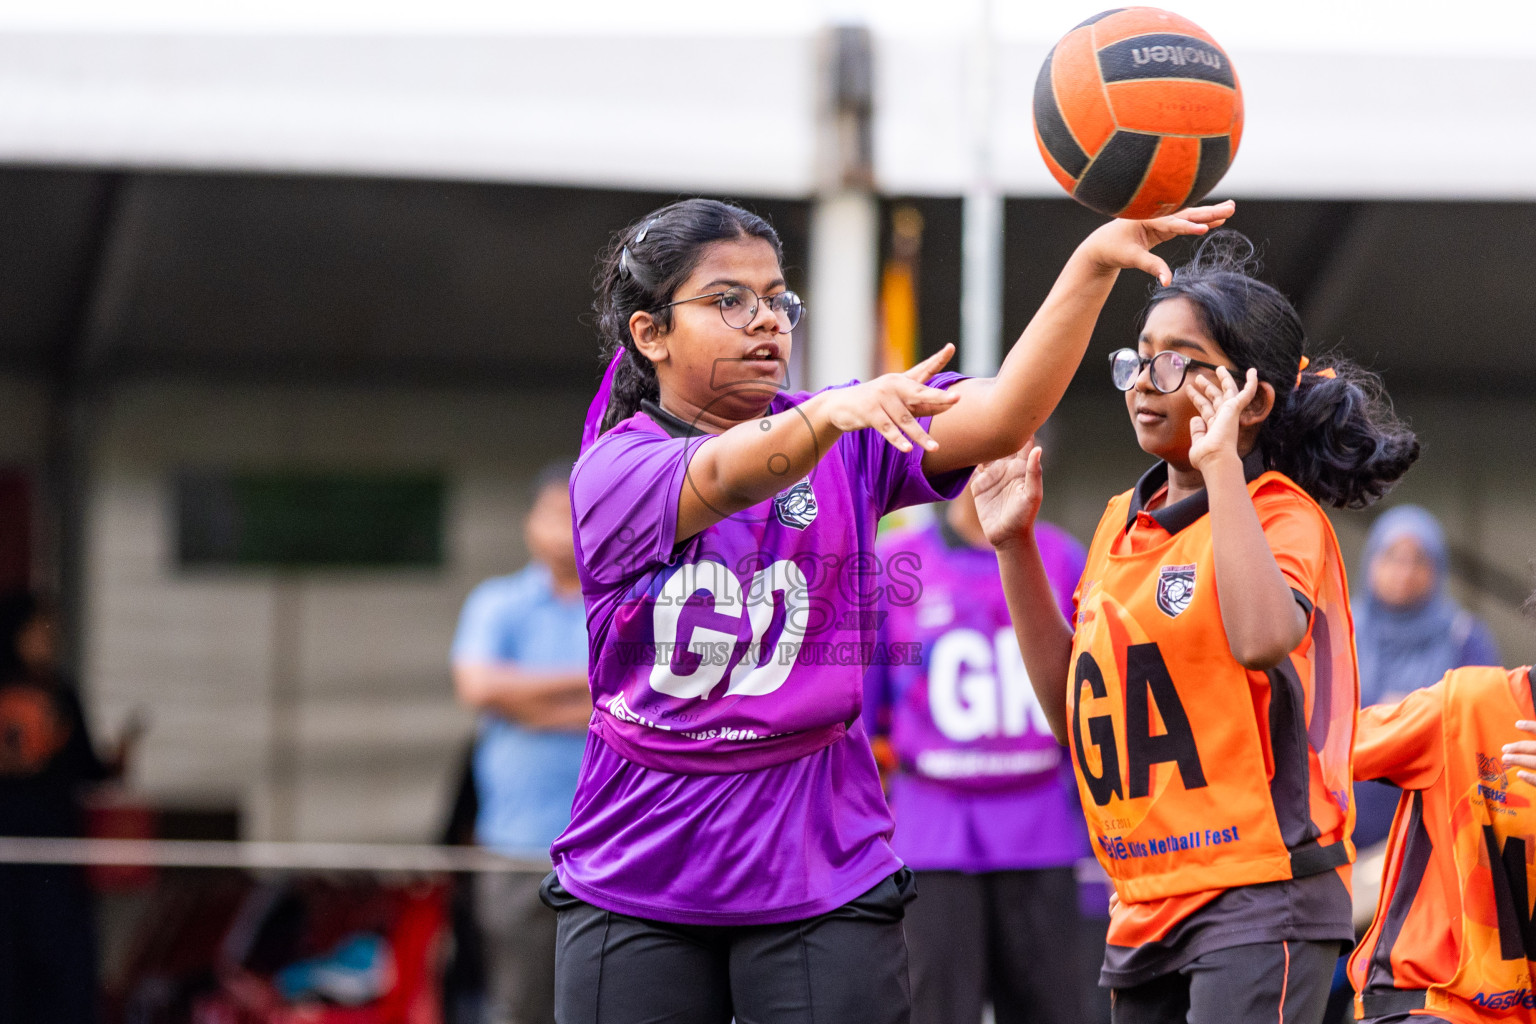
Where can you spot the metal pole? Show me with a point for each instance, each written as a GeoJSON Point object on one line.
{"type": "Point", "coordinates": [844, 271]}
{"type": "Point", "coordinates": [285, 697]}
{"type": "Point", "coordinates": [202, 853]}
{"type": "Point", "coordinates": [845, 220]}
{"type": "Point", "coordinates": [981, 280]}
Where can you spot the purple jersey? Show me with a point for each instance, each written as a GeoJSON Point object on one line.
{"type": "Point", "coordinates": [982, 785]}
{"type": "Point", "coordinates": [726, 778]}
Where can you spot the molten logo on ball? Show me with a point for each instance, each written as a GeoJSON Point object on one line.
{"type": "Point", "coordinates": [1180, 55]}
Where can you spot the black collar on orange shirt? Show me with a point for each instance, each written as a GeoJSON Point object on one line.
{"type": "Point", "coordinates": [1184, 512]}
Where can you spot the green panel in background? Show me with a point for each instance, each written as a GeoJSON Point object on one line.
{"type": "Point", "coordinates": [309, 520]}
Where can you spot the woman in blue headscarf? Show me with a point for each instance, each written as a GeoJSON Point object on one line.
{"type": "Point", "coordinates": [1408, 632]}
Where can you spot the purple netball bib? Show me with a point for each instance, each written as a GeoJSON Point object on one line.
{"type": "Point", "coordinates": [745, 646]}
{"type": "Point", "coordinates": [964, 714]}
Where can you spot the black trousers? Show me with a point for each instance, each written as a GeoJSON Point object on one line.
{"type": "Point", "coordinates": [1263, 983]}
{"type": "Point", "coordinates": [47, 945]}
{"type": "Point", "coordinates": [1009, 937]}
{"type": "Point", "coordinates": [847, 966]}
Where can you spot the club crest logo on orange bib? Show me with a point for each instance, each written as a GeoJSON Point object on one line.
{"type": "Point", "coordinates": [1175, 588]}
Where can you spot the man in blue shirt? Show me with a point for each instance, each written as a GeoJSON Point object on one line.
{"type": "Point", "coordinates": [520, 659]}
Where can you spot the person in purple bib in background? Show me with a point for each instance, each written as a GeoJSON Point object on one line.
{"type": "Point", "coordinates": [729, 847]}
{"type": "Point", "coordinates": [985, 803]}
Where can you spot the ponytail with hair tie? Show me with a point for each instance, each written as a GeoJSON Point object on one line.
{"type": "Point", "coordinates": [1326, 371]}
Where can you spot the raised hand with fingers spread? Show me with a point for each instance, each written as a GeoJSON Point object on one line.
{"type": "Point", "coordinates": [1220, 404]}
{"type": "Point", "coordinates": [891, 403]}
{"type": "Point", "coordinates": [995, 416]}
{"type": "Point", "coordinates": [1008, 493]}
{"type": "Point", "coordinates": [1128, 244]}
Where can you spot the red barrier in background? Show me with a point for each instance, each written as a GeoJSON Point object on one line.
{"type": "Point", "coordinates": [117, 818]}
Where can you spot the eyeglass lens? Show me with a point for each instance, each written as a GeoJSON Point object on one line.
{"type": "Point", "coordinates": [738, 305]}
{"type": "Point", "coordinates": [1168, 369]}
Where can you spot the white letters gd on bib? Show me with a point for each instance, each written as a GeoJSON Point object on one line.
{"type": "Point", "coordinates": [713, 638]}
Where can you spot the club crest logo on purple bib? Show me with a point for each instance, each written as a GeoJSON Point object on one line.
{"type": "Point", "coordinates": [796, 507]}
{"type": "Point", "coordinates": [1175, 588]}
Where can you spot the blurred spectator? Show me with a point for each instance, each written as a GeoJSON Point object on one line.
{"type": "Point", "coordinates": [1408, 632]}
{"type": "Point", "coordinates": [520, 658]}
{"type": "Point", "coordinates": [985, 804]}
{"type": "Point", "coordinates": [47, 761]}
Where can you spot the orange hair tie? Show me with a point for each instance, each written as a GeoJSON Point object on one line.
{"type": "Point", "coordinates": [1326, 372]}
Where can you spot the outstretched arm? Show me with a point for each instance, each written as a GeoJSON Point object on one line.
{"type": "Point", "coordinates": [996, 415]}
{"type": "Point", "coordinates": [751, 462]}
{"type": "Point", "coordinates": [1008, 494]}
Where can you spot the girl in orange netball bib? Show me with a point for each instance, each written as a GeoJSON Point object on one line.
{"type": "Point", "coordinates": [1207, 689]}
{"type": "Point", "coordinates": [1454, 940]}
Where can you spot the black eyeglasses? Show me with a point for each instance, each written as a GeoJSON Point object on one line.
{"type": "Point", "coordinates": [738, 307]}
{"type": "Point", "coordinates": [1168, 369]}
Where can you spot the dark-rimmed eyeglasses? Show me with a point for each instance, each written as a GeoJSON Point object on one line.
{"type": "Point", "coordinates": [738, 307]}
{"type": "Point", "coordinates": [1168, 368]}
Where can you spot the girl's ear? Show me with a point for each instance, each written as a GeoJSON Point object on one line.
{"type": "Point", "coordinates": [649, 338]}
{"type": "Point", "coordinates": [1259, 409]}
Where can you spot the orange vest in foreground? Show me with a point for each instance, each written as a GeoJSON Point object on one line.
{"type": "Point", "coordinates": [1454, 931]}
{"type": "Point", "coordinates": [1181, 791]}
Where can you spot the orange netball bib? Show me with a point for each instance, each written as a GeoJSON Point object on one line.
{"type": "Point", "coordinates": [1195, 773]}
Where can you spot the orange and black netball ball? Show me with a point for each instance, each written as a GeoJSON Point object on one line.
{"type": "Point", "coordinates": [1138, 112]}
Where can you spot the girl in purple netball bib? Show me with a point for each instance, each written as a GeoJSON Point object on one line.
{"type": "Point", "coordinates": [728, 851]}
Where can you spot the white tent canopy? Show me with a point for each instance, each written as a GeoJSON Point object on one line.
{"type": "Point", "coordinates": [1369, 101]}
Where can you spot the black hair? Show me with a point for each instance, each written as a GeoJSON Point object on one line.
{"type": "Point", "coordinates": [641, 268]}
{"type": "Point", "coordinates": [1336, 436]}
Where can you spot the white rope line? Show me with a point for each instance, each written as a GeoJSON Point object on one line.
{"type": "Point", "coordinates": [205, 853]}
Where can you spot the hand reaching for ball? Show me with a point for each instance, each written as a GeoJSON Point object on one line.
{"type": "Point", "coordinates": [1128, 244]}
